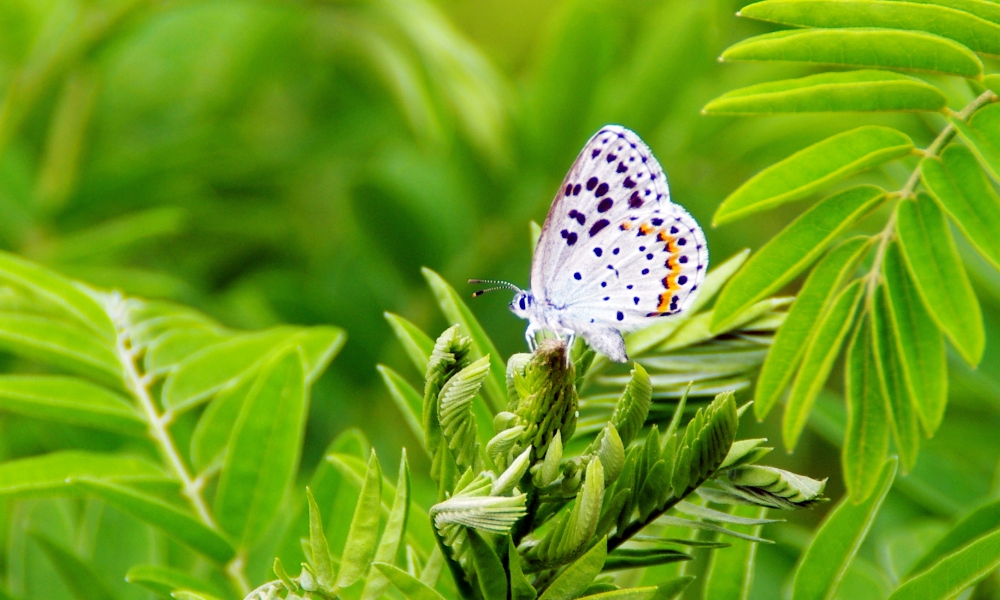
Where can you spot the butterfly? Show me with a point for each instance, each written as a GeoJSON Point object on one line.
{"type": "Point", "coordinates": [614, 252]}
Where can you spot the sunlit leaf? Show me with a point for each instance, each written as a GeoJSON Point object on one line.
{"type": "Point", "coordinates": [823, 347]}
{"type": "Point", "coordinates": [977, 523]}
{"type": "Point", "coordinates": [867, 441]}
{"type": "Point", "coordinates": [793, 250]}
{"type": "Point", "coordinates": [60, 344]}
{"type": "Point", "coordinates": [52, 472]}
{"type": "Point", "coordinates": [941, 280]}
{"type": "Point", "coordinates": [966, 194]}
{"type": "Point", "coordinates": [411, 587]}
{"type": "Point", "coordinates": [811, 169]}
{"type": "Point", "coordinates": [408, 400]}
{"type": "Point", "coordinates": [862, 48]}
{"type": "Point", "coordinates": [180, 525]}
{"type": "Point", "coordinates": [417, 344]}
{"type": "Point", "coordinates": [832, 92]}
{"type": "Point", "coordinates": [60, 291]}
{"type": "Point", "coordinates": [902, 413]}
{"type": "Point", "coordinates": [215, 426]}
{"type": "Point", "coordinates": [80, 577]}
{"type": "Point", "coordinates": [164, 580]}
{"type": "Point", "coordinates": [811, 302]}
{"type": "Point", "coordinates": [982, 133]}
{"type": "Point", "coordinates": [263, 450]}
{"type": "Point", "coordinates": [363, 533]}
{"type": "Point", "coordinates": [392, 536]}
{"type": "Point", "coordinates": [69, 400]}
{"type": "Point", "coordinates": [955, 572]}
{"type": "Point", "coordinates": [822, 566]}
{"type": "Point", "coordinates": [918, 341]}
{"type": "Point", "coordinates": [977, 34]}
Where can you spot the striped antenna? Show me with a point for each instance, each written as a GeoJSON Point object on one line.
{"type": "Point", "coordinates": [497, 285]}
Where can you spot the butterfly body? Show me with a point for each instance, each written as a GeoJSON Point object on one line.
{"type": "Point", "coordinates": [614, 251]}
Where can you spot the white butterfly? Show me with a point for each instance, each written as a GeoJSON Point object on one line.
{"type": "Point", "coordinates": [614, 250]}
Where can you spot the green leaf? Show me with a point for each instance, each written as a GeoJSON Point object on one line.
{"type": "Point", "coordinates": [919, 343]}
{"type": "Point", "coordinates": [219, 366]}
{"type": "Point", "coordinates": [417, 344]}
{"type": "Point", "coordinates": [982, 133]}
{"type": "Point", "coordinates": [392, 536]}
{"type": "Point", "coordinates": [408, 400]}
{"type": "Point", "coordinates": [60, 344]}
{"type": "Point", "coordinates": [178, 524]}
{"type": "Point", "coordinates": [975, 33]}
{"type": "Point", "coordinates": [941, 280]}
{"type": "Point", "coordinates": [50, 472]}
{"type": "Point", "coordinates": [69, 400]}
{"type": "Point", "coordinates": [792, 251]}
{"type": "Point", "coordinates": [983, 9]}
{"type": "Point", "coordinates": [903, 418]}
{"type": "Point", "coordinates": [79, 577]}
{"type": "Point", "coordinates": [363, 534]}
{"type": "Point", "coordinates": [263, 451]}
{"type": "Point", "coordinates": [578, 576]}
{"type": "Point", "coordinates": [319, 549]}
{"type": "Point", "coordinates": [456, 311]}
{"type": "Point", "coordinates": [520, 587]}
{"type": "Point", "coordinates": [164, 580]}
{"type": "Point", "coordinates": [228, 363]}
{"type": "Point", "coordinates": [65, 294]}
{"type": "Point", "coordinates": [823, 347]}
{"type": "Point", "coordinates": [490, 575]}
{"type": "Point", "coordinates": [862, 47]}
{"type": "Point", "coordinates": [952, 574]}
{"type": "Point", "coordinates": [822, 566]}
{"type": "Point", "coordinates": [867, 440]}
{"type": "Point", "coordinates": [189, 595]}
{"type": "Point", "coordinates": [705, 444]}
{"type": "Point", "coordinates": [458, 424]}
{"type": "Point", "coordinates": [215, 426]}
{"type": "Point", "coordinates": [170, 349]}
{"type": "Point", "coordinates": [976, 524]}
{"type": "Point", "coordinates": [812, 301]}
{"type": "Point", "coordinates": [636, 593]}
{"type": "Point", "coordinates": [832, 92]}
{"type": "Point", "coordinates": [633, 406]}
{"type": "Point", "coordinates": [730, 572]}
{"type": "Point", "coordinates": [637, 558]}
{"type": "Point", "coordinates": [673, 588]}
{"type": "Point", "coordinates": [813, 168]}
{"type": "Point", "coordinates": [966, 194]}
{"type": "Point", "coordinates": [411, 587]}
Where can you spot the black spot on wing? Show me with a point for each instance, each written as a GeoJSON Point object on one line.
{"type": "Point", "coordinates": [598, 226]}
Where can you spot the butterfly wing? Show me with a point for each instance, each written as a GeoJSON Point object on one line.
{"type": "Point", "coordinates": [614, 250]}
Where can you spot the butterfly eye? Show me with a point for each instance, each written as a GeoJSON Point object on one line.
{"type": "Point", "coordinates": [522, 303]}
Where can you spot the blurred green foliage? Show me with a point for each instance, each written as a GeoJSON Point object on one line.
{"type": "Point", "coordinates": [279, 161]}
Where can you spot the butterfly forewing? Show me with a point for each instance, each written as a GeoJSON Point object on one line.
{"type": "Point", "coordinates": [614, 249]}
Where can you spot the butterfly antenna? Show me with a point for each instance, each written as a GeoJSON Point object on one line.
{"type": "Point", "coordinates": [497, 285]}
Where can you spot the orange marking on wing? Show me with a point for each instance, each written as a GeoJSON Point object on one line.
{"type": "Point", "coordinates": [625, 226]}
{"type": "Point", "coordinates": [645, 228]}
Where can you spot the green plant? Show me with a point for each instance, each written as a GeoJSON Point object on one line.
{"type": "Point", "coordinates": [534, 499]}
{"type": "Point", "coordinates": [194, 429]}
{"type": "Point", "coordinates": [913, 292]}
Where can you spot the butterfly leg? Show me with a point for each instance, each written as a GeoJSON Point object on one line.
{"type": "Point", "coordinates": [529, 336]}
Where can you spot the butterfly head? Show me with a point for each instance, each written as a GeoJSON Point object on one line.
{"type": "Point", "coordinates": [523, 303]}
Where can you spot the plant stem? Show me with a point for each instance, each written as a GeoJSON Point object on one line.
{"type": "Point", "coordinates": [907, 191]}
{"type": "Point", "coordinates": [157, 422]}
